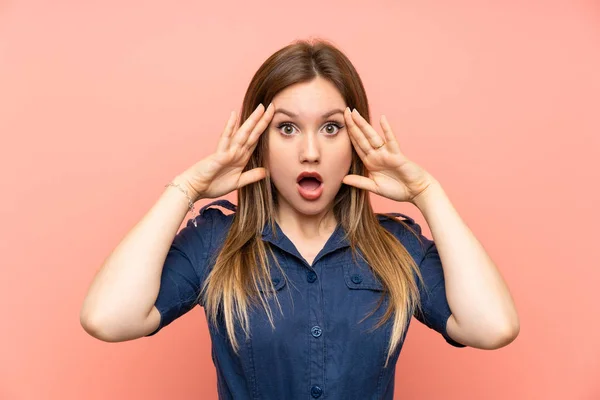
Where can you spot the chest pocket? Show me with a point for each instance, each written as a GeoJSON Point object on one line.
{"type": "Point", "coordinates": [358, 275]}
{"type": "Point", "coordinates": [276, 278]}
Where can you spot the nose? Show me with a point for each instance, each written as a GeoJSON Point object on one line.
{"type": "Point", "coordinates": [309, 149]}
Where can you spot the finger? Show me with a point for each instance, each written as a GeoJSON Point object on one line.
{"type": "Point", "coordinates": [260, 127]}
{"type": "Point", "coordinates": [390, 138]}
{"type": "Point", "coordinates": [227, 132]}
{"type": "Point", "coordinates": [359, 151]}
{"type": "Point", "coordinates": [372, 136]}
{"type": "Point", "coordinates": [254, 175]}
{"type": "Point", "coordinates": [241, 135]}
{"type": "Point", "coordinates": [360, 182]}
{"type": "Point", "coordinates": [360, 141]}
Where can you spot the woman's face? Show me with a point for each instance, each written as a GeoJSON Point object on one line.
{"type": "Point", "coordinates": [308, 133]}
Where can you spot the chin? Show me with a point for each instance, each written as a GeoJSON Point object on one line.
{"type": "Point", "coordinates": [313, 208]}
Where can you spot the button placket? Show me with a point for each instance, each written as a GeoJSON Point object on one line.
{"type": "Point", "coordinates": [314, 303]}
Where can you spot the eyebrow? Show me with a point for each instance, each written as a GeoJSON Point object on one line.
{"type": "Point", "coordinates": [291, 114]}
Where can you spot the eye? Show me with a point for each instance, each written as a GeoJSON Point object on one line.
{"type": "Point", "coordinates": [336, 125]}
{"type": "Point", "coordinates": [285, 125]}
{"type": "Point", "coordinates": [329, 124]}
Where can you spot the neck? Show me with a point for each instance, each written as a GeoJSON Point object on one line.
{"type": "Point", "coordinates": [303, 225]}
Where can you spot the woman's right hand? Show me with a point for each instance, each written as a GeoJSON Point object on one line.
{"type": "Point", "coordinates": [221, 172]}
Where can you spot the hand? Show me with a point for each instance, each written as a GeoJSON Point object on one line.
{"type": "Point", "coordinates": [221, 172]}
{"type": "Point", "coordinates": [391, 174]}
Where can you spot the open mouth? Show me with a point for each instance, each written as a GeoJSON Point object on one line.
{"type": "Point", "coordinates": [310, 187]}
{"type": "Point", "coordinates": [309, 183]}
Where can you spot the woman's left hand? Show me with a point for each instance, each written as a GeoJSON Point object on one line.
{"type": "Point", "coordinates": [391, 174]}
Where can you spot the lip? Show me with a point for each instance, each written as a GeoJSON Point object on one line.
{"type": "Point", "coordinates": [310, 194]}
{"type": "Point", "coordinates": [310, 174]}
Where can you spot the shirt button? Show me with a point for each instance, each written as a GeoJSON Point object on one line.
{"type": "Point", "coordinates": [316, 391]}
{"type": "Point", "coordinates": [316, 331]}
{"type": "Point", "coordinates": [275, 281]}
{"type": "Point", "coordinates": [311, 277]}
{"type": "Point", "coordinates": [356, 278]}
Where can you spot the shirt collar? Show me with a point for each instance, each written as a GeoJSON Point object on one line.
{"type": "Point", "coordinates": [278, 238]}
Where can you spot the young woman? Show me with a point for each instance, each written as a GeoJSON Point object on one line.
{"type": "Point", "coordinates": [308, 293]}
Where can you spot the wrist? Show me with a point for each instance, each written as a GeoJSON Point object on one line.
{"type": "Point", "coordinates": [431, 191]}
{"type": "Point", "coordinates": [185, 183]}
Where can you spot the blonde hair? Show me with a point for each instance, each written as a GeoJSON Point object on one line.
{"type": "Point", "coordinates": [241, 273]}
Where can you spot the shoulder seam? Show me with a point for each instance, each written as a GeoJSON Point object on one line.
{"type": "Point", "coordinates": [222, 203]}
{"type": "Point", "coordinates": [392, 215]}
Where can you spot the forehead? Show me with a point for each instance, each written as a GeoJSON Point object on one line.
{"type": "Point", "coordinates": [307, 98]}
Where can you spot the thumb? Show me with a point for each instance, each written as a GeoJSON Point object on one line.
{"type": "Point", "coordinates": [360, 182]}
{"type": "Point", "coordinates": [254, 175]}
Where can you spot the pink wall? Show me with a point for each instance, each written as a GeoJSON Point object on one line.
{"type": "Point", "coordinates": [102, 103]}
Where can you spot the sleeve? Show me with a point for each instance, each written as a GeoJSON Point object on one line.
{"type": "Point", "coordinates": [184, 270]}
{"type": "Point", "coordinates": [434, 303]}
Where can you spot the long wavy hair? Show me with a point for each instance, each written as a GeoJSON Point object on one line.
{"type": "Point", "coordinates": [241, 273]}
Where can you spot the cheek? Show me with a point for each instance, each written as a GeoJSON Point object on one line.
{"type": "Point", "coordinates": [339, 162]}
{"type": "Point", "coordinates": [277, 156]}
{"type": "Point", "coordinates": [273, 148]}
{"type": "Point", "coordinates": [344, 154]}
{"type": "Point", "coordinates": [278, 162]}
{"type": "Point", "coordinates": [274, 140]}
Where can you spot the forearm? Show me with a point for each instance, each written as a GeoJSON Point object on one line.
{"type": "Point", "coordinates": [478, 297]}
{"type": "Point", "coordinates": [125, 288]}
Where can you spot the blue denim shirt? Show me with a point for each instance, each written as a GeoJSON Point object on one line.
{"type": "Point", "coordinates": [318, 349]}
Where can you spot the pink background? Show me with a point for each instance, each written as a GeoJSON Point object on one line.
{"type": "Point", "coordinates": [102, 103]}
